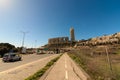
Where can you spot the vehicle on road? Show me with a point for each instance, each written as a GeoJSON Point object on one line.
{"type": "Point", "coordinates": [11, 57]}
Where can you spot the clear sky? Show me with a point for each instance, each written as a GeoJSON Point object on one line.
{"type": "Point", "coordinates": [44, 19]}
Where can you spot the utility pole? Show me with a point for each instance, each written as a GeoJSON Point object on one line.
{"type": "Point", "coordinates": [35, 43]}
{"type": "Point", "coordinates": [109, 61]}
{"type": "Point", "coordinates": [24, 33]}
{"type": "Point", "coordinates": [22, 48]}
{"type": "Point", "coordinates": [35, 47]}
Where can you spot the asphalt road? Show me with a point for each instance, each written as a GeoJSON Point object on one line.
{"type": "Point", "coordinates": [25, 59]}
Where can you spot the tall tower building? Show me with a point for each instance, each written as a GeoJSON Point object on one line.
{"type": "Point", "coordinates": [72, 35]}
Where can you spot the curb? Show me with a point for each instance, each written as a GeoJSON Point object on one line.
{"type": "Point", "coordinates": [43, 77]}
{"type": "Point", "coordinates": [79, 71]}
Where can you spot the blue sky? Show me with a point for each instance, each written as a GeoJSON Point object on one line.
{"type": "Point", "coordinates": [44, 19]}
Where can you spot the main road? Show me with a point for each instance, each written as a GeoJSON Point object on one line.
{"type": "Point", "coordinates": [25, 59]}
{"type": "Point", "coordinates": [19, 70]}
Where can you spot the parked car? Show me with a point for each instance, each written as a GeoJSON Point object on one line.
{"type": "Point", "coordinates": [11, 57]}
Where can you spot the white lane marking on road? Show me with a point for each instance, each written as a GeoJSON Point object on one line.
{"type": "Point", "coordinates": [65, 66]}
{"type": "Point", "coordinates": [66, 75]}
{"type": "Point", "coordinates": [65, 63]}
{"type": "Point", "coordinates": [65, 60]}
{"type": "Point", "coordinates": [66, 72]}
{"type": "Point", "coordinates": [25, 65]}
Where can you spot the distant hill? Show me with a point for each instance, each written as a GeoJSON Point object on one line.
{"type": "Point", "coordinates": [106, 39]}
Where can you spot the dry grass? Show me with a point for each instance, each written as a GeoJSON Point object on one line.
{"type": "Point", "coordinates": [94, 61]}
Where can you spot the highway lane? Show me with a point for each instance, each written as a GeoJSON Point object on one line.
{"type": "Point", "coordinates": [26, 69]}
{"type": "Point", "coordinates": [25, 59]}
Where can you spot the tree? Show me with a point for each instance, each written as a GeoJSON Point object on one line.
{"type": "Point", "coordinates": [6, 47]}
